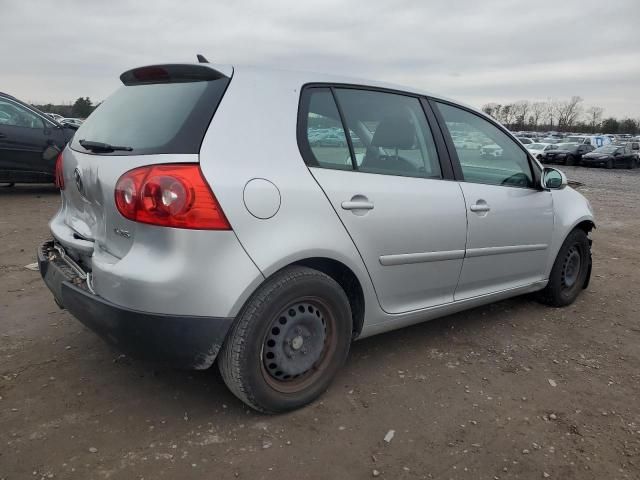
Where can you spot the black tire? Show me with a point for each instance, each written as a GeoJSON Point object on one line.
{"type": "Point", "coordinates": [570, 161]}
{"type": "Point", "coordinates": [244, 359]}
{"type": "Point", "coordinates": [630, 163]}
{"type": "Point", "coordinates": [634, 163]}
{"type": "Point", "coordinates": [563, 287]}
{"type": "Point", "coordinates": [609, 164]}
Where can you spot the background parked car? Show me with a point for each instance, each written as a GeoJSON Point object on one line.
{"type": "Point", "coordinates": [71, 122]}
{"type": "Point", "coordinates": [567, 153]}
{"type": "Point", "coordinates": [612, 156]}
{"type": "Point", "coordinates": [539, 150]}
{"type": "Point", "coordinates": [595, 140]}
{"type": "Point", "coordinates": [29, 142]}
{"type": "Point", "coordinates": [55, 116]}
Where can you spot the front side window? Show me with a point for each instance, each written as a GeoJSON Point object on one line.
{"type": "Point", "coordinates": [500, 160]}
{"type": "Point", "coordinates": [389, 133]}
{"type": "Point", "coordinates": [16, 116]}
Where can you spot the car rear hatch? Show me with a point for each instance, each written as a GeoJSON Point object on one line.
{"type": "Point", "coordinates": [159, 115]}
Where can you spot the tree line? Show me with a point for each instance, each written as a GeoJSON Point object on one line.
{"type": "Point", "coordinates": [81, 108]}
{"type": "Point", "coordinates": [559, 115]}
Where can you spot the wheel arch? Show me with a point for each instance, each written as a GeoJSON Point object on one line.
{"type": "Point", "coordinates": [348, 281]}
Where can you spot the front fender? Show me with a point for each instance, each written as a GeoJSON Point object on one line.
{"type": "Point", "coordinates": [570, 209]}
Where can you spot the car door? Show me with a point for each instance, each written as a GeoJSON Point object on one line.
{"type": "Point", "coordinates": [23, 139]}
{"type": "Point", "coordinates": [386, 184]}
{"type": "Point", "coordinates": [510, 219]}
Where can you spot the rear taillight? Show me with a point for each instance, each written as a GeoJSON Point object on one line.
{"type": "Point", "coordinates": [58, 174]}
{"type": "Point", "coordinates": [175, 195]}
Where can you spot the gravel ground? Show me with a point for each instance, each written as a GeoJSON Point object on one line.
{"type": "Point", "coordinates": [510, 390]}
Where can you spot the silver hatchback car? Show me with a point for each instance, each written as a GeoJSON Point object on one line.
{"type": "Point", "coordinates": [268, 218]}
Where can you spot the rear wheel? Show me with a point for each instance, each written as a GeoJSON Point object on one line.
{"type": "Point", "coordinates": [610, 163]}
{"type": "Point", "coordinates": [630, 163]}
{"type": "Point", "coordinates": [569, 272]}
{"type": "Point", "coordinates": [288, 342]}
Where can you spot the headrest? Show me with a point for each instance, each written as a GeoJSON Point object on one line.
{"type": "Point", "coordinates": [395, 132]}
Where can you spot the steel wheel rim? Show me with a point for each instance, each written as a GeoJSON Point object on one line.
{"type": "Point", "coordinates": [571, 267]}
{"type": "Point", "coordinates": [305, 324]}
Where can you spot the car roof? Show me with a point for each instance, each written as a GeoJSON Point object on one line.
{"type": "Point", "coordinates": [301, 77]}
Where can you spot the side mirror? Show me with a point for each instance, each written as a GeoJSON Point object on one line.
{"type": "Point", "coordinates": [553, 179]}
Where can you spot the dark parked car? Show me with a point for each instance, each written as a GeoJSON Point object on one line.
{"type": "Point", "coordinates": [612, 156]}
{"type": "Point", "coordinates": [30, 141]}
{"type": "Point", "coordinates": [567, 153]}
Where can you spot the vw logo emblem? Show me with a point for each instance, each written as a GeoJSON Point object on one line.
{"type": "Point", "coordinates": [78, 179]}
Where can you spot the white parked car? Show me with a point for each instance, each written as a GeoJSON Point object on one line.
{"type": "Point", "coordinates": [539, 150]}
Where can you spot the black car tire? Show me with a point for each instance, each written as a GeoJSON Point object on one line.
{"type": "Point", "coordinates": [565, 283]}
{"type": "Point", "coordinates": [570, 160]}
{"type": "Point", "coordinates": [630, 163]}
{"type": "Point", "coordinates": [295, 294]}
{"type": "Point", "coordinates": [609, 164]}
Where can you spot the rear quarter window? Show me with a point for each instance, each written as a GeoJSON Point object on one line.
{"type": "Point", "coordinates": [154, 118]}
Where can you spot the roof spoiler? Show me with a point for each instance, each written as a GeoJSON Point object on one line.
{"type": "Point", "coordinates": [172, 73]}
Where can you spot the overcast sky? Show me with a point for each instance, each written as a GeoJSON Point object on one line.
{"type": "Point", "coordinates": [472, 50]}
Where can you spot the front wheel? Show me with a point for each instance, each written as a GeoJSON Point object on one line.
{"type": "Point", "coordinates": [610, 163]}
{"type": "Point", "coordinates": [569, 272]}
{"type": "Point", "coordinates": [570, 161]}
{"type": "Point", "coordinates": [288, 342]}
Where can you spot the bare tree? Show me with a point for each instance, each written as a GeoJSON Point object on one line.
{"type": "Point", "coordinates": [550, 108]}
{"type": "Point", "coordinates": [594, 117]}
{"type": "Point", "coordinates": [568, 111]}
{"type": "Point", "coordinates": [520, 110]}
{"type": "Point", "coordinates": [507, 114]}
{"type": "Point", "coordinates": [537, 111]}
{"type": "Point", "coordinates": [492, 109]}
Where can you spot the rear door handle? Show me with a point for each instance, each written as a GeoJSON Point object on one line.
{"type": "Point", "coordinates": [2, 135]}
{"type": "Point", "coordinates": [357, 205]}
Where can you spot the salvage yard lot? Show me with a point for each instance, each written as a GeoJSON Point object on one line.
{"type": "Point", "coordinates": [511, 390]}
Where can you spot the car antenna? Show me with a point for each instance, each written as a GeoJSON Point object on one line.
{"type": "Point", "coordinates": [201, 58]}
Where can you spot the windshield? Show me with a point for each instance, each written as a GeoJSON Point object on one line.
{"type": "Point", "coordinates": [154, 118]}
{"type": "Point", "coordinates": [535, 146]}
{"type": "Point", "coordinates": [565, 146]}
{"type": "Point", "coordinates": [607, 149]}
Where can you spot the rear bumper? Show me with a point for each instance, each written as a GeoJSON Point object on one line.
{"type": "Point", "coordinates": [180, 341]}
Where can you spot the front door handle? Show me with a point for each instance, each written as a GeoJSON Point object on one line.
{"type": "Point", "coordinates": [480, 207]}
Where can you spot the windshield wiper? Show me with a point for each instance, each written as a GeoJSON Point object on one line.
{"type": "Point", "coordinates": [102, 147]}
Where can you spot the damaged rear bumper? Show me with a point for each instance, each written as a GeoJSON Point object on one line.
{"type": "Point", "coordinates": [180, 341]}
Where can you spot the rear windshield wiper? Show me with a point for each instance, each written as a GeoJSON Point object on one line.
{"type": "Point", "coordinates": [102, 147]}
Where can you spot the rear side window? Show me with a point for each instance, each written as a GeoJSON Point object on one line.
{"type": "Point", "coordinates": [325, 134]}
{"type": "Point", "coordinates": [154, 118]}
{"type": "Point", "coordinates": [387, 132]}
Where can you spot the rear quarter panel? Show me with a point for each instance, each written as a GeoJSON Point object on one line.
{"type": "Point", "coordinates": [253, 135]}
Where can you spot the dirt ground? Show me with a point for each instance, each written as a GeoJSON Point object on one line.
{"type": "Point", "coordinates": [511, 390]}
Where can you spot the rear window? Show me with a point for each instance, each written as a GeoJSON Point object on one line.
{"type": "Point", "coordinates": [154, 118]}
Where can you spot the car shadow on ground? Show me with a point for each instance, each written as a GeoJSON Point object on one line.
{"type": "Point", "coordinates": [205, 391]}
{"type": "Point", "coordinates": [28, 189]}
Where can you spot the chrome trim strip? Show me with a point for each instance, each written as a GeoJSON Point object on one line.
{"type": "Point", "coordinates": [407, 258]}
{"type": "Point", "coordinates": [486, 251]}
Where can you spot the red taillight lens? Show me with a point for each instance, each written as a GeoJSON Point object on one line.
{"type": "Point", "coordinates": [58, 174]}
{"type": "Point", "coordinates": [174, 195]}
